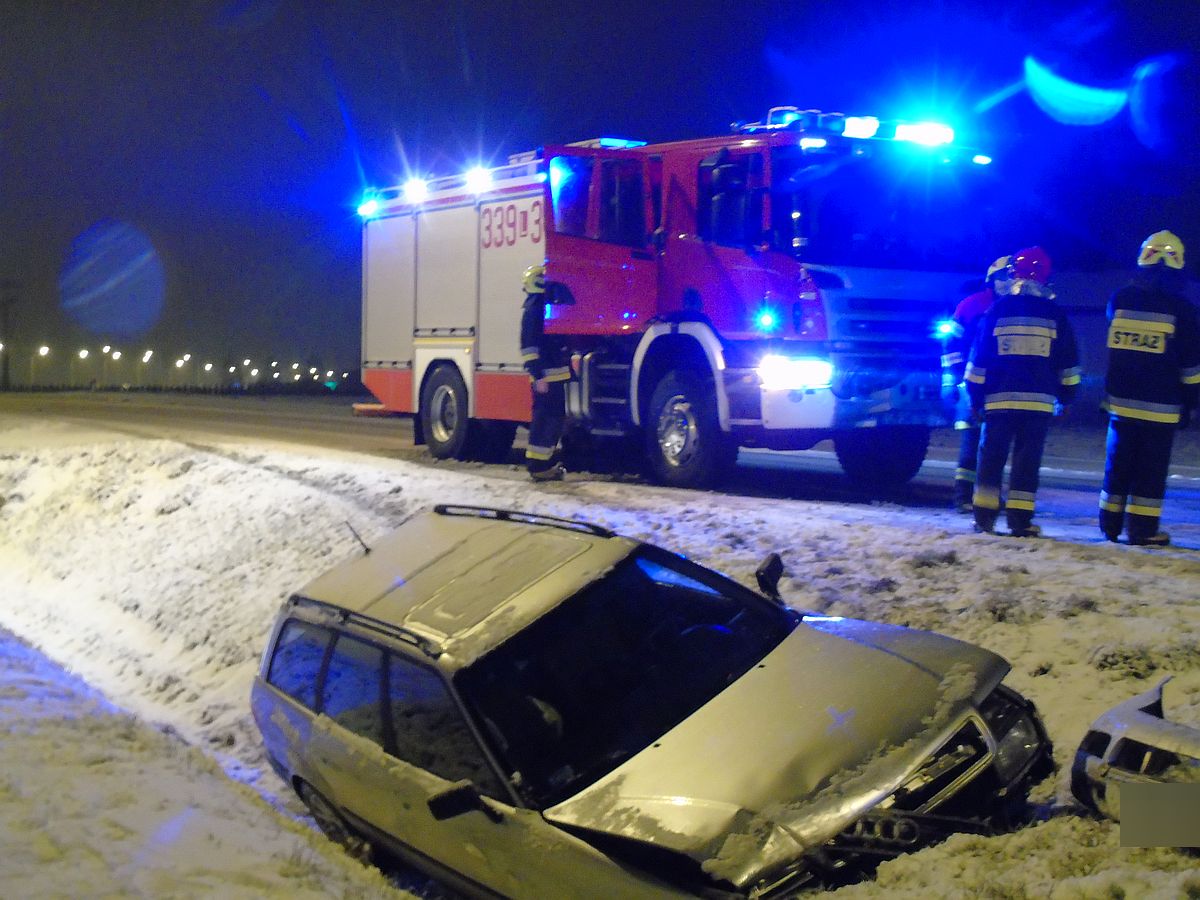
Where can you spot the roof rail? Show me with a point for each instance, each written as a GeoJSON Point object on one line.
{"type": "Point", "coordinates": [512, 515]}
{"type": "Point", "coordinates": [422, 643]}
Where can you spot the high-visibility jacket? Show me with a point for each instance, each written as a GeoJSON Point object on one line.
{"type": "Point", "coordinates": [1153, 355]}
{"type": "Point", "coordinates": [1025, 356]}
{"type": "Point", "coordinates": [543, 357]}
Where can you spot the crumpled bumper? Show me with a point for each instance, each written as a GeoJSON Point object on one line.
{"type": "Point", "coordinates": [1133, 743]}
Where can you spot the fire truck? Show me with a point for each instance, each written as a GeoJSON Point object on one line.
{"type": "Point", "coordinates": [769, 288]}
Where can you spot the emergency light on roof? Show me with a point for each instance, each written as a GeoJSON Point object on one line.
{"type": "Point", "coordinates": [620, 143]}
{"type": "Point", "coordinates": [860, 127]}
{"type": "Point", "coordinates": [479, 180]}
{"type": "Point", "coordinates": [813, 122]}
{"type": "Point", "coordinates": [368, 207]}
{"type": "Point", "coordinates": [415, 190]}
{"type": "Point", "coordinates": [928, 134]}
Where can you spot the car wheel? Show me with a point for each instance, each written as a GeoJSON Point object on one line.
{"type": "Point", "coordinates": [444, 417]}
{"type": "Point", "coordinates": [685, 446]}
{"type": "Point", "coordinates": [331, 823]}
{"type": "Point", "coordinates": [882, 457]}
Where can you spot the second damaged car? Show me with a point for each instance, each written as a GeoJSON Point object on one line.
{"type": "Point", "coordinates": [527, 706]}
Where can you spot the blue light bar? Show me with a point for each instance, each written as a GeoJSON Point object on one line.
{"type": "Point", "coordinates": [812, 143]}
{"type": "Point", "coordinates": [620, 143]}
{"type": "Point", "coordinates": [928, 134]}
{"type": "Point", "coordinates": [860, 127]}
{"type": "Point", "coordinates": [981, 160]}
{"type": "Point", "coordinates": [415, 190]}
{"type": "Point", "coordinates": [368, 207]}
{"type": "Point", "coordinates": [479, 180]}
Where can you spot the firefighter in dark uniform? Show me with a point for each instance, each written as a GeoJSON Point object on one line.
{"type": "Point", "coordinates": [546, 363]}
{"type": "Point", "coordinates": [1025, 362]}
{"type": "Point", "coordinates": [960, 339]}
{"type": "Point", "coordinates": [1153, 371]}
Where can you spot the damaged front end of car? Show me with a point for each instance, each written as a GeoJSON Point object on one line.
{"type": "Point", "coordinates": [1133, 743]}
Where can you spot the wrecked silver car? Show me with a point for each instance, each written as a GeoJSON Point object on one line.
{"type": "Point", "coordinates": [1133, 743]}
{"type": "Point", "coordinates": [532, 707]}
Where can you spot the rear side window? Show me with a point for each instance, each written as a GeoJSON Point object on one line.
{"type": "Point", "coordinates": [353, 691]}
{"type": "Point", "coordinates": [297, 661]}
{"type": "Point", "coordinates": [430, 730]}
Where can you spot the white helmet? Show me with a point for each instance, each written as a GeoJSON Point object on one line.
{"type": "Point", "coordinates": [1161, 247]}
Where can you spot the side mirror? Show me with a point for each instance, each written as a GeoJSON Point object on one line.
{"type": "Point", "coordinates": [461, 797]}
{"type": "Point", "coordinates": [768, 574]}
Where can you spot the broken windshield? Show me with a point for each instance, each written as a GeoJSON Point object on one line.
{"type": "Point", "coordinates": [613, 668]}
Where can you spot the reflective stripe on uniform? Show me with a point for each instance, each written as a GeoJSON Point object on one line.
{"type": "Point", "coordinates": [951, 359]}
{"type": "Point", "coordinates": [1070, 376]}
{"type": "Point", "coordinates": [1144, 506]}
{"type": "Point", "coordinates": [1021, 500]}
{"type": "Point", "coordinates": [1146, 321]}
{"type": "Point", "coordinates": [1112, 502]}
{"type": "Point", "coordinates": [1190, 376]}
{"type": "Point", "coordinates": [1166, 413]}
{"type": "Point", "coordinates": [976, 374]}
{"type": "Point", "coordinates": [528, 353]}
{"type": "Point", "coordinates": [540, 453]}
{"type": "Point", "coordinates": [986, 497]}
{"type": "Point", "coordinates": [1026, 325]}
{"type": "Point", "coordinates": [558, 373]}
{"type": "Point", "coordinates": [961, 474]}
{"type": "Point", "coordinates": [1019, 400]}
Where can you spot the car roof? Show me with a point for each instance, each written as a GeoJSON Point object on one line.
{"type": "Point", "coordinates": [463, 579]}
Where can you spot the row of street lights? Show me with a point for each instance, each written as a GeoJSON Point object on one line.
{"type": "Point", "coordinates": [209, 372]}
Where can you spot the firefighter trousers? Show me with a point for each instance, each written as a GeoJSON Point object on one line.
{"type": "Point", "coordinates": [1135, 477]}
{"type": "Point", "coordinates": [546, 428]}
{"type": "Point", "coordinates": [1024, 433]}
{"type": "Point", "coordinates": [964, 475]}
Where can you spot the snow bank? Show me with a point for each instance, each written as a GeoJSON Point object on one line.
{"type": "Point", "coordinates": [154, 569]}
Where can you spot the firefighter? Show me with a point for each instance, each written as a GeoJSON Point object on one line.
{"type": "Point", "coordinates": [963, 326]}
{"type": "Point", "coordinates": [1153, 370]}
{"type": "Point", "coordinates": [546, 364]}
{"type": "Point", "coordinates": [1024, 364]}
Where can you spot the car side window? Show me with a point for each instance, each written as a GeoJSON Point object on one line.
{"type": "Point", "coordinates": [296, 664]}
{"type": "Point", "coordinates": [353, 690]}
{"type": "Point", "coordinates": [430, 731]}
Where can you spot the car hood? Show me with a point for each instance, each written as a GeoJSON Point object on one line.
{"type": "Point", "coordinates": [824, 727]}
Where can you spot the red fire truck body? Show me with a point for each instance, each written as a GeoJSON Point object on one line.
{"type": "Point", "coordinates": [686, 281]}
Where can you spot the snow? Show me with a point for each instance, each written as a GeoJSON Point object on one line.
{"type": "Point", "coordinates": [152, 571]}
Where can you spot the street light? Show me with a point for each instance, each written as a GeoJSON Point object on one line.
{"type": "Point", "coordinates": [42, 351]}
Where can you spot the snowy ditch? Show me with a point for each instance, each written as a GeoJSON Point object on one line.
{"type": "Point", "coordinates": [153, 570]}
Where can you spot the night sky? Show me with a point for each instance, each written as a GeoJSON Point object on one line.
{"type": "Point", "coordinates": [225, 143]}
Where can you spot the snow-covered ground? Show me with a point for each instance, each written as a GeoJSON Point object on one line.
{"type": "Point", "coordinates": [152, 570]}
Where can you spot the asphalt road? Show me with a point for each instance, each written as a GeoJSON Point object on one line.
{"type": "Point", "coordinates": [1071, 472]}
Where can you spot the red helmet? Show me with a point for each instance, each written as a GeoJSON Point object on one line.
{"type": "Point", "coordinates": [1032, 263]}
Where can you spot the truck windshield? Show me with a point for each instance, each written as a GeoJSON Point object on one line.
{"type": "Point", "coordinates": [897, 207]}
{"type": "Point", "coordinates": [614, 667]}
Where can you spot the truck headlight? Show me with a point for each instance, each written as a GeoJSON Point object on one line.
{"type": "Point", "coordinates": [794, 373]}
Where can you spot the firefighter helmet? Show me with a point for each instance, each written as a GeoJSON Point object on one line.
{"type": "Point", "coordinates": [1031, 264]}
{"type": "Point", "coordinates": [534, 280]}
{"type": "Point", "coordinates": [998, 268]}
{"type": "Point", "coordinates": [1164, 248]}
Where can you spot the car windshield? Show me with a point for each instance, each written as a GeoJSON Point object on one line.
{"type": "Point", "coordinates": [615, 667]}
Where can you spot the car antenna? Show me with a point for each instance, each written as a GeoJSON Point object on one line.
{"type": "Point", "coordinates": [358, 537]}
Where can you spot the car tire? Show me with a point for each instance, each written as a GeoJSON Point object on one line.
{"type": "Point", "coordinates": [332, 825]}
{"type": "Point", "coordinates": [882, 457]}
{"type": "Point", "coordinates": [445, 419]}
{"type": "Point", "coordinates": [684, 444]}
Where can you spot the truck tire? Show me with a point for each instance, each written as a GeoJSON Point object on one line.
{"type": "Point", "coordinates": [684, 444]}
{"type": "Point", "coordinates": [882, 457]}
{"type": "Point", "coordinates": [444, 418]}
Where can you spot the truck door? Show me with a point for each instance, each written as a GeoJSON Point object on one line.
{"type": "Point", "coordinates": [598, 244]}
{"type": "Point", "coordinates": [714, 225]}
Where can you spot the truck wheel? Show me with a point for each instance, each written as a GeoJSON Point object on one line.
{"type": "Point", "coordinates": [444, 416]}
{"type": "Point", "coordinates": [331, 823]}
{"type": "Point", "coordinates": [882, 457]}
{"type": "Point", "coordinates": [685, 446]}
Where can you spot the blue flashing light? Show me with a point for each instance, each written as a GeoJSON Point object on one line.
{"type": "Point", "coordinates": [860, 127]}
{"type": "Point", "coordinates": [627, 315]}
{"type": "Point", "coordinates": [981, 159]}
{"type": "Point", "coordinates": [478, 179]}
{"type": "Point", "coordinates": [927, 134]}
{"type": "Point", "coordinates": [789, 117]}
{"type": "Point", "coordinates": [368, 207]}
{"type": "Point", "coordinates": [415, 190]}
{"type": "Point", "coordinates": [766, 319]}
{"type": "Point", "coordinates": [613, 143]}
{"type": "Point", "coordinates": [540, 178]}
{"type": "Point", "coordinates": [812, 143]}
{"type": "Point", "coordinates": [944, 328]}
{"type": "Point", "coordinates": [560, 173]}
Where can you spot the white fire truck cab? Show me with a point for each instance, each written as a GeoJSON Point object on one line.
{"type": "Point", "coordinates": [772, 288]}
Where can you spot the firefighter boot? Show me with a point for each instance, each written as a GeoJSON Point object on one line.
{"type": "Point", "coordinates": [985, 520]}
{"type": "Point", "coordinates": [1158, 539]}
{"type": "Point", "coordinates": [550, 473]}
